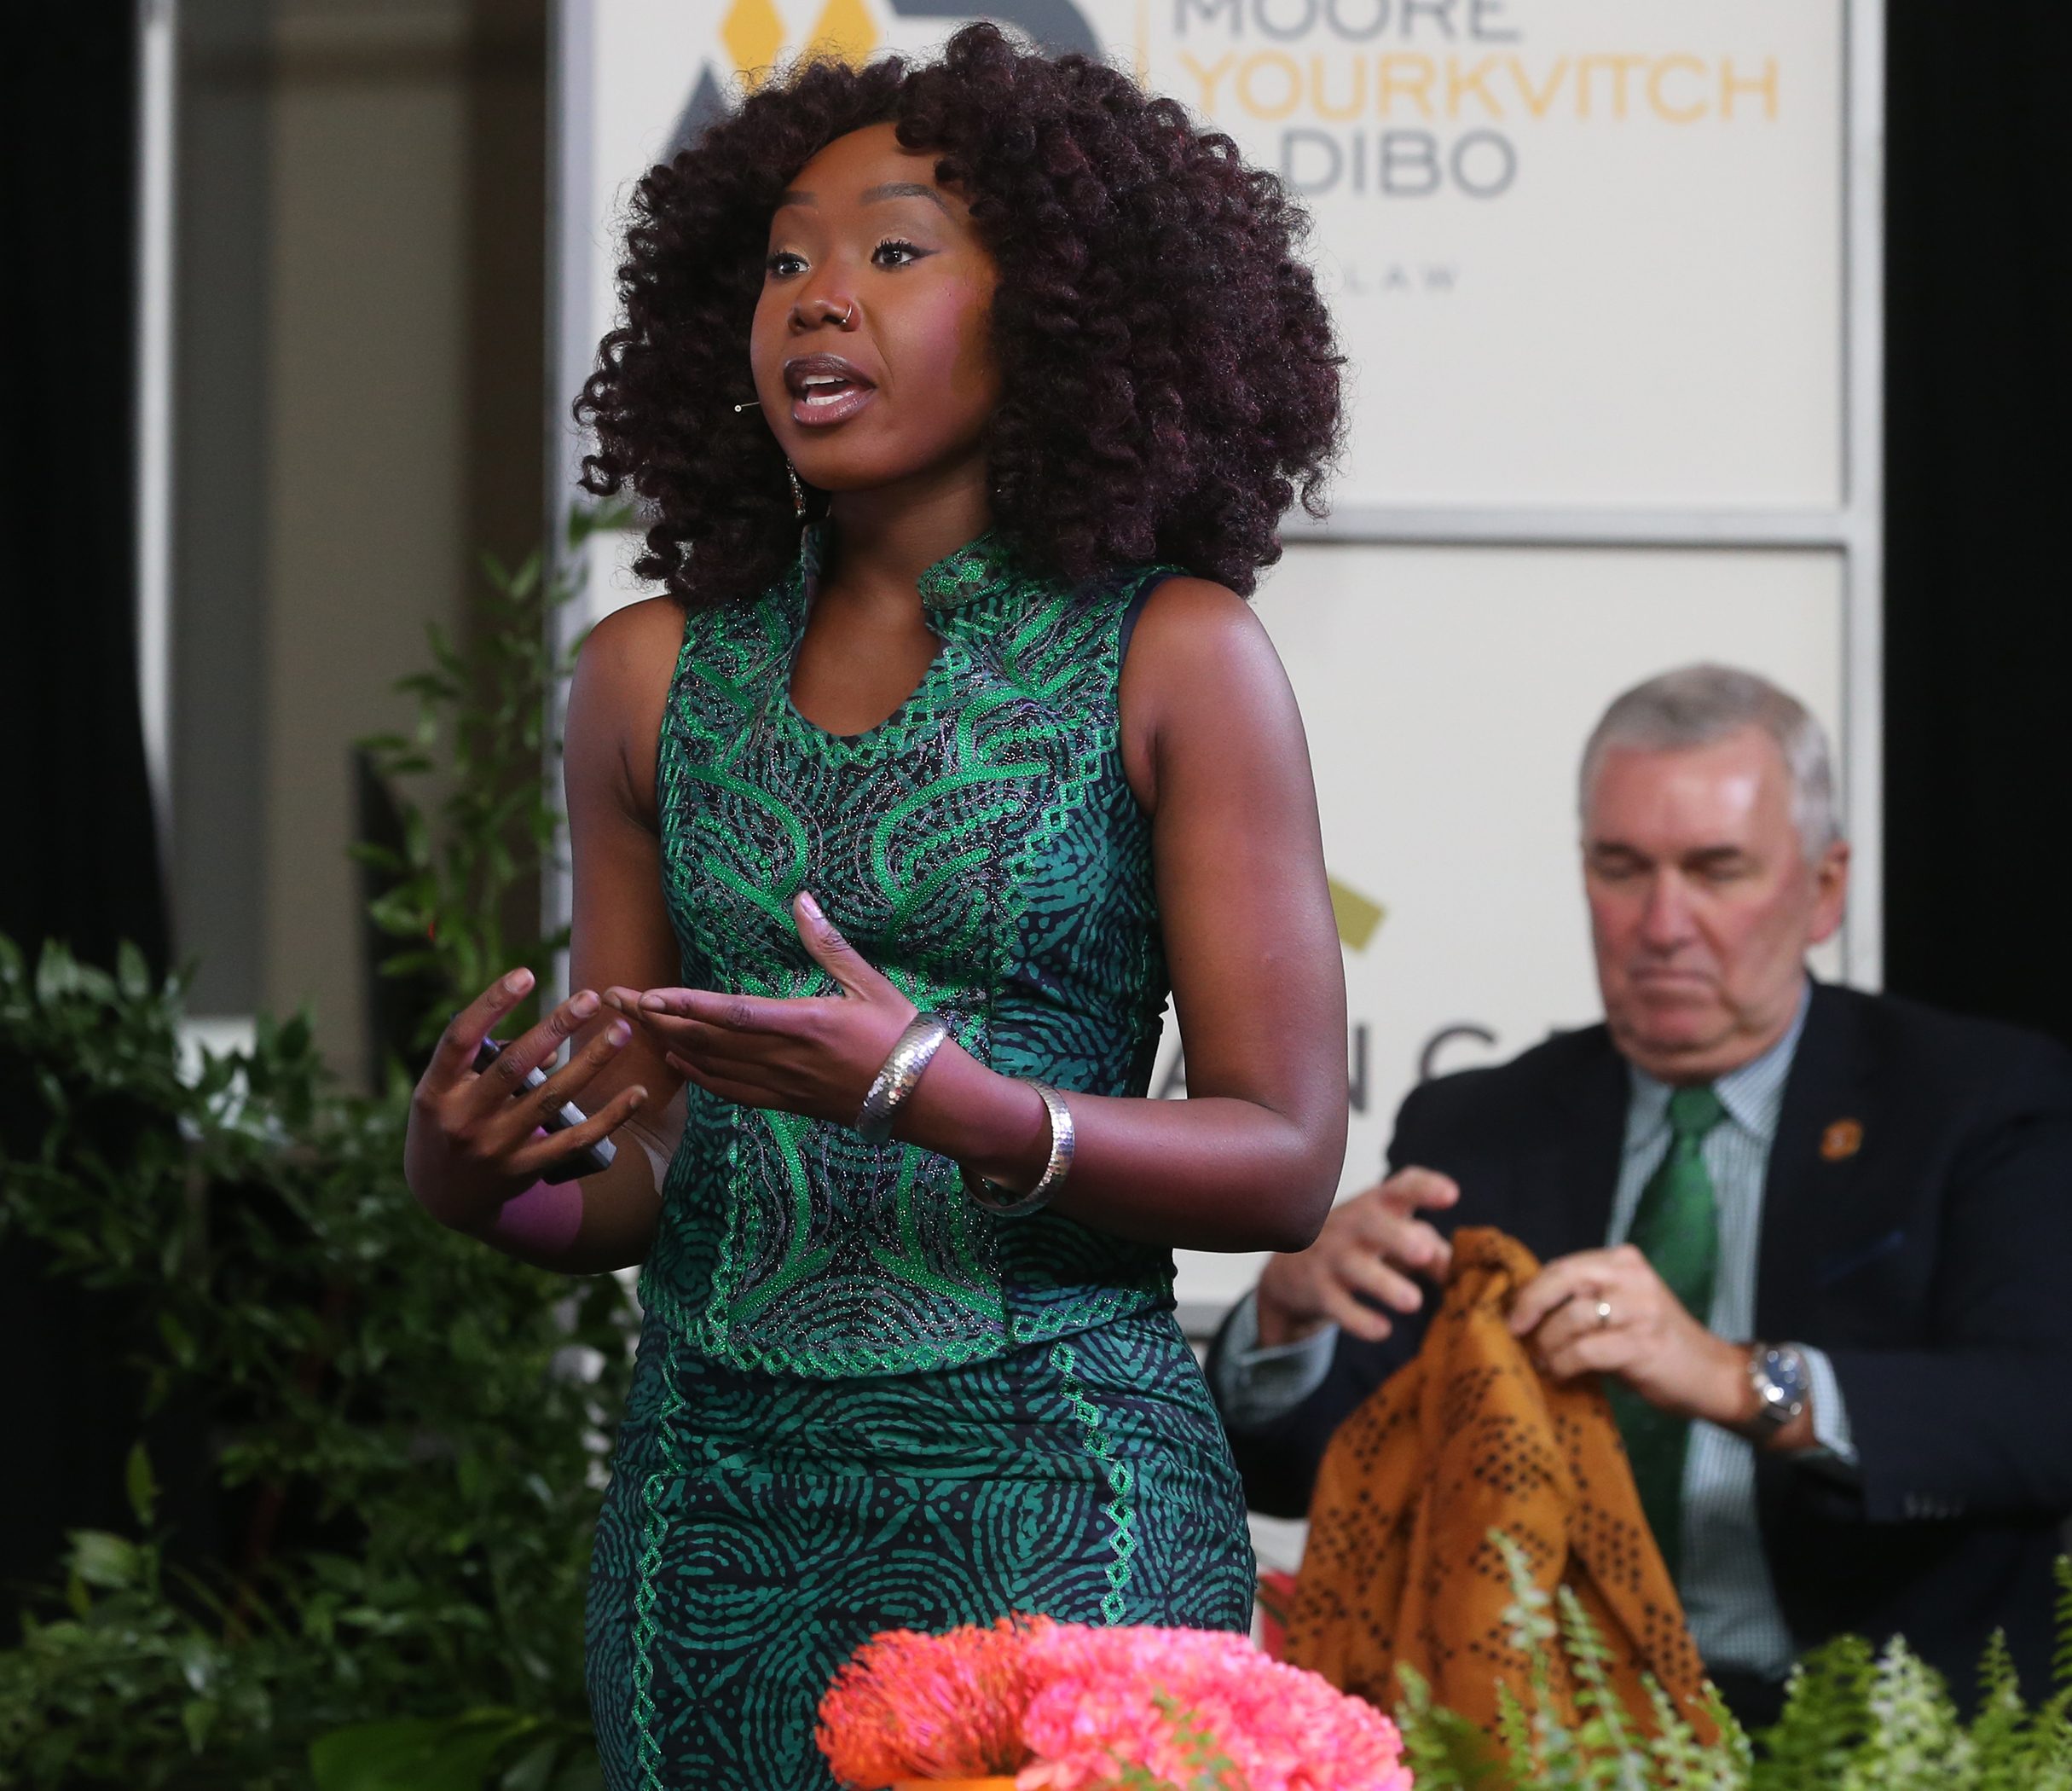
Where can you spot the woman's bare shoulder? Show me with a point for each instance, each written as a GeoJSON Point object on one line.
{"type": "Point", "coordinates": [637, 641]}
{"type": "Point", "coordinates": [1198, 644]}
{"type": "Point", "coordinates": [1183, 598]}
{"type": "Point", "coordinates": [1202, 675]}
{"type": "Point", "coordinates": [620, 691]}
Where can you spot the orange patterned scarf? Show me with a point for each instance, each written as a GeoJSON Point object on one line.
{"type": "Point", "coordinates": [1467, 1439]}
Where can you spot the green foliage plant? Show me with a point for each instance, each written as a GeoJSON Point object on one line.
{"type": "Point", "coordinates": [485, 824]}
{"type": "Point", "coordinates": [1852, 1721]}
{"type": "Point", "coordinates": [408, 1430]}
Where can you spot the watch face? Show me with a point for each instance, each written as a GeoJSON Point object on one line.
{"type": "Point", "coordinates": [1785, 1369]}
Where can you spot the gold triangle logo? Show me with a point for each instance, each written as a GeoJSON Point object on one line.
{"type": "Point", "coordinates": [754, 34]}
{"type": "Point", "coordinates": [844, 33]}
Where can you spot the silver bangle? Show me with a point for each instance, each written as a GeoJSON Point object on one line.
{"type": "Point", "coordinates": [898, 1076]}
{"type": "Point", "coordinates": [1002, 1202]}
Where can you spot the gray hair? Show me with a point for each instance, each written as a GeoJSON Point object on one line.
{"type": "Point", "coordinates": [1698, 704]}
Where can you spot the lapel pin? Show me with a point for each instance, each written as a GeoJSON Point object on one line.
{"type": "Point", "coordinates": [1844, 1139]}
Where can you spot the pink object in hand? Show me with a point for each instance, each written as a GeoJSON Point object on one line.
{"type": "Point", "coordinates": [546, 1217]}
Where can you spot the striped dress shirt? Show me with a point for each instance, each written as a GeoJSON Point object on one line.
{"type": "Point", "coordinates": [1724, 1580]}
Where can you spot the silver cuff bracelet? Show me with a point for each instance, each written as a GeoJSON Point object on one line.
{"type": "Point", "coordinates": [1003, 1202]}
{"type": "Point", "coordinates": [911, 1053]}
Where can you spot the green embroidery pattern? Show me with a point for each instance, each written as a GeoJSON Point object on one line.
{"type": "Point", "coordinates": [983, 848]}
{"type": "Point", "coordinates": [653, 1529]}
{"type": "Point", "coordinates": [1120, 1480]}
{"type": "Point", "coordinates": [760, 1527]}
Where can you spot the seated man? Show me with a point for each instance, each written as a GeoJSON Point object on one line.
{"type": "Point", "coordinates": [1817, 1243]}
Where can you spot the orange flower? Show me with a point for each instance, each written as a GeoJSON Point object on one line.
{"type": "Point", "coordinates": [909, 1706]}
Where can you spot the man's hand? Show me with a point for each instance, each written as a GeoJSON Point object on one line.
{"type": "Point", "coordinates": [1371, 1244]}
{"type": "Point", "coordinates": [1607, 1312]}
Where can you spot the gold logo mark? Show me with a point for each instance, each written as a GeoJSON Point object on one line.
{"type": "Point", "coordinates": [754, 33]}
{"type": "Point", "coordinates": [845, 33]}
{"type": "Point", "coordinates": [1357, 916]}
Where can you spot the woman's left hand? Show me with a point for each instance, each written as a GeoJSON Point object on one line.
{"type": "Point", "coordinates": [815, 1056]}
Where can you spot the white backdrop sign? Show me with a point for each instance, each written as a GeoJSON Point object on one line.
{"type": "Point", "coordinates": [1580, 251]}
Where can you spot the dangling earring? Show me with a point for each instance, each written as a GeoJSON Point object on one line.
{"type": "Point", "coordinates": [791, 473]}
{"type": "Point", "coordinates": [808, 556]}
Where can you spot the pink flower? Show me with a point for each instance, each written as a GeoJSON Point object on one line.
{"type": "Point", "coordinates": [1176, 1701]}
{"type": "Point", "coordinates": [1073, 1706]}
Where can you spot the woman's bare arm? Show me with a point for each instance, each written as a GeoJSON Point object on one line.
{"type": "Point", "coordinates": [1214, 750]}
{"type": "Point", "coordinates": [619, 931]}
{"type": "Point", "coordinates": [474, 1149]}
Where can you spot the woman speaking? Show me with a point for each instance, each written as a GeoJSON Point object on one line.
{"type": "Point", "coordinates": [961, 401]}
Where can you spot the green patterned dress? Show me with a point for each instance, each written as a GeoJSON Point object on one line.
{"type": "Point", "coordinates": [862, 1403]}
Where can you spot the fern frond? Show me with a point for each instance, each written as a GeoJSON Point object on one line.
{"type": "Point", "coordinates": [2061, 1658]}
{"type": "Point", "coordinates": [1515, 1730]}
{"type": "Point", "coordinates": [1915, 1742]}
{"type": "Point", "coordinates": [1826, 1717]}
{"type": "Point", "coordinates": [1999, 1733]}
{"type": "Point", "coordinates": [1673, 1751]}
{"type": "Point", "coordinates": [1998, 1682]}
{"type": "Point", "coordinates": [1558, 1756]}
{"type": "Point", "coordinates": [1530, 1627]}
{"type": "Point", "coordinates": [2050, 1741]}
{"type": "Point", "coordinates": [1543, 1749]}
{"type": "Point", "coordinates": [1730, 1764]}
{"type": "Point", "coordinates": [1443, 1749]}
{"type": "Point", "coordinates": [1611, 1762]}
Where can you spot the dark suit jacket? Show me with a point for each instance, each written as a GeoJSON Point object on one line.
{"type": "Point", "coordinates": [1934, 1265]}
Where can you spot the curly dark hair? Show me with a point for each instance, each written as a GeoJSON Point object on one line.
{"type": "Point", "coordinates": [1169, 375]}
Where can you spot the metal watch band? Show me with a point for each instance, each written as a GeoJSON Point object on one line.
{"type": "Point", "coordinates": [1003, 1202]}
{"type": "Point", "coordinates": [912, 1052]}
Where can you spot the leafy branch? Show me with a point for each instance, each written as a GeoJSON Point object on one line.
{"type": "Point", "coordinates": [408, 1431]}
{"type": "Point", "coordinates": [477, 854]}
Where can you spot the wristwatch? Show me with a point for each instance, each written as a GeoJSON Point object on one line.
{"type": "Point", "coordinates": [1778, 1374]}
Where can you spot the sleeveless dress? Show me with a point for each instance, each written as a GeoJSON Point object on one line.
{"type": "Point", "coordinates": [861, 1402]}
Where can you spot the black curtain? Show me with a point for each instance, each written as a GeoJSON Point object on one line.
{"type": "Point", "coordinates": [1978, 607]}
{"type": "Point", "coordinates": [78, 859]}
{"type": "Point", "coordinates": [81, 862]}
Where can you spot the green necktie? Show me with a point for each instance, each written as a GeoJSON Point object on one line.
{"type": "Point", "coordinates": [1676, 1227]}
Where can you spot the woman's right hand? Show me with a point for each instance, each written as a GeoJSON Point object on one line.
{"type": "Point", "coordinates": [475, 1141]}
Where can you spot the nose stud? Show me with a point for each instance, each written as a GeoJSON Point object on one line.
{"type": "Point", "coordinates": [849, 311]}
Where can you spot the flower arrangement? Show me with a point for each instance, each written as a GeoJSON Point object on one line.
{"type": "Point", "coordinates": [1058, 1707]}
{"type": "Point", "coordinates": [929, 1708]}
